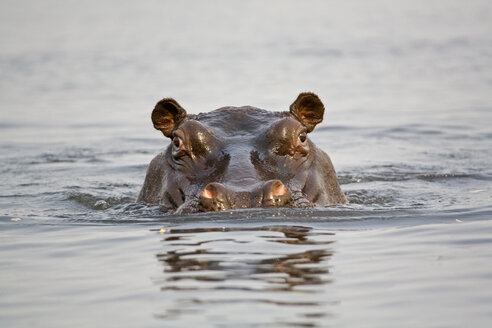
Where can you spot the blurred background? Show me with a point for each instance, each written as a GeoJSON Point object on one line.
{"type": "Point", "coordinates": [370, 61]}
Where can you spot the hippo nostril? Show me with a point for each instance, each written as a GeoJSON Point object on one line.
{"type": "Point", "coordinates": [214, 197]}
{"type": "Point", "coordinates": [275, 193]}
{"type": "Point", "coordinates": [279, 189]}
{"type": "Point", "coordinates": [209, 193]}
{"type": "Point", "coordinates": [213, 190]}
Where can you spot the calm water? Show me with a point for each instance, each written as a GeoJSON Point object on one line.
{"type": "Point", "coordinates": [408, 96]}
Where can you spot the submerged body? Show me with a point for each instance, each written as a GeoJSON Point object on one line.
{"type": "Point", "coordinates": [240, 157]}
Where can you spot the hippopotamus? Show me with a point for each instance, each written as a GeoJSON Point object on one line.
{"type": "Point", "coordinates": [240, 157]}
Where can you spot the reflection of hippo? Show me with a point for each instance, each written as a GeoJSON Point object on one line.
{"type": "Point", "coordinates": [240, 157]}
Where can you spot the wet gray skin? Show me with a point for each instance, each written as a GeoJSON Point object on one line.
{"type": "Point", "coordinates": [240, 157]}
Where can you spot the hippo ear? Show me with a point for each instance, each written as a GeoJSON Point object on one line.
{"type": "Point", "coordinates": [308, 109]}
{"type": "Point", "coordinates": [167, 116]}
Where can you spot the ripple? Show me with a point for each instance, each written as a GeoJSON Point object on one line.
{"type": "Point", "coordinates": [97, 202]}
{"type": "Point", "coordinates": [401, 172]}
{"type": "Point", "coordinates": [372, 197]}
{"type": "Point", "coordinates": [69, 155]}
{"type": "Point", "coordinates": [446, 176]}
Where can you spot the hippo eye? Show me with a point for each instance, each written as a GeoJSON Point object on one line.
{"type": "Point", "coordinates": [177, 142]}
{"type": "Point", "coordinates": [303, 136]}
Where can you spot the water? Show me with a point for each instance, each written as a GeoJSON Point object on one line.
{"type": "Point", "coordinates": [407, 89]}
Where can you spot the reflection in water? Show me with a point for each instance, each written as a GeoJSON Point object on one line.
{"type": "Point", "coordinates": [252, 276]}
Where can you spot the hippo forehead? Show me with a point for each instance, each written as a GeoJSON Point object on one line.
{"type": "Point", "coordinates": [239, 121]}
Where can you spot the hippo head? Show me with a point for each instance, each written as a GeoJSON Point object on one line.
{"type": "Point", "coordinates": [240, 157]}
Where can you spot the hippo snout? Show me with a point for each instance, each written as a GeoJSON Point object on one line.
{"type": "Point", "coordinates": [216, 196]}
